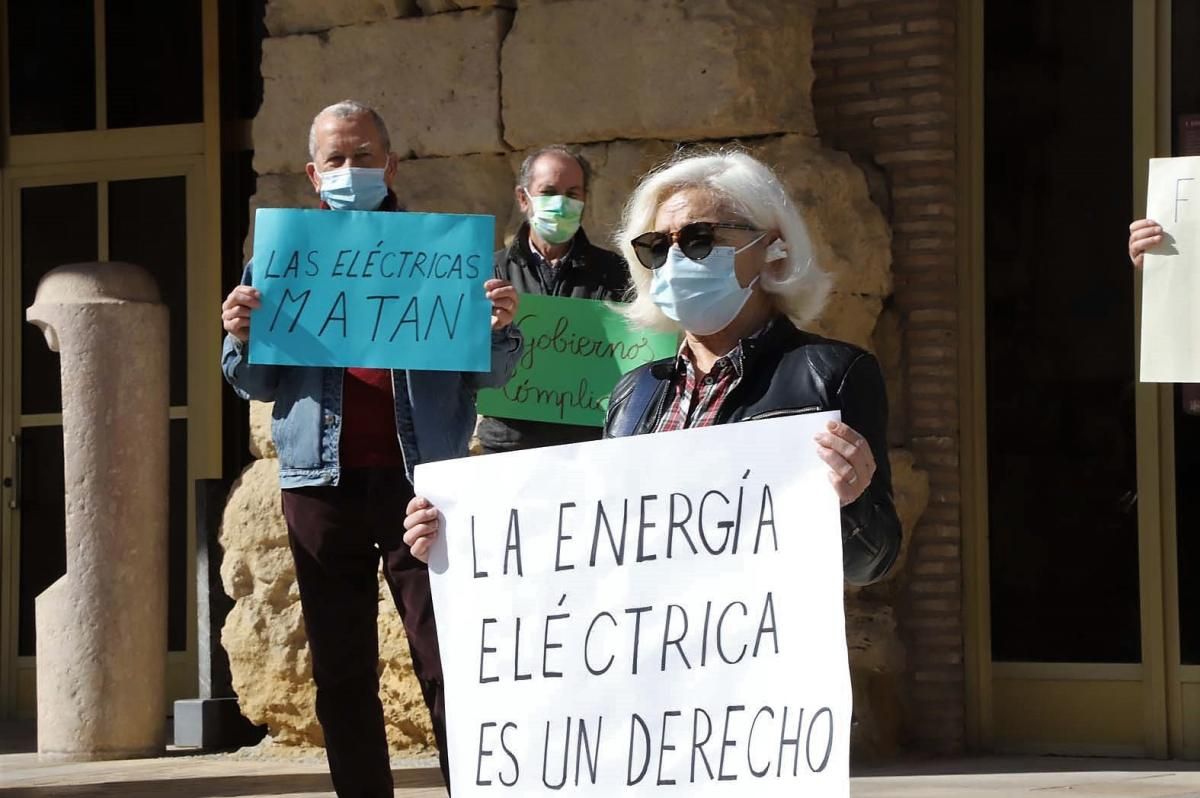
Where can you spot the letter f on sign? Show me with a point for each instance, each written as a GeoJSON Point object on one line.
{"type": "Point", "coordinates": [1178, 189]}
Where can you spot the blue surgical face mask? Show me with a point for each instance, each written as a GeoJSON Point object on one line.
{"type": "Point", "coordinates": [353, 188]}
{"type": "Point", "coordinates": [703, 296]}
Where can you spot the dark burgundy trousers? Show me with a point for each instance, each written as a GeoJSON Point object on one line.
{"type": "Point", "coordinates": [338, 535]}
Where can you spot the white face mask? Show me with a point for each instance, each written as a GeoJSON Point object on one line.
{"type": "Point", "coordinates": [353, 188]}
{"type": "Point", "coordinates": [703, 296]}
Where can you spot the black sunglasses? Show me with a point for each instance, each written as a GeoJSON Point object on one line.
{"type": "Point", "coordinates": [696, 240]}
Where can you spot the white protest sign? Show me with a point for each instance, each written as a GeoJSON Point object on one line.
{"type": "Point", "coordinates": [645, 615]}
{"type": "Point", "coordinates": [1171, 288]}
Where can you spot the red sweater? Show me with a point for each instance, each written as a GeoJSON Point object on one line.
{"type": "Point", "coordinates": [369, 437]}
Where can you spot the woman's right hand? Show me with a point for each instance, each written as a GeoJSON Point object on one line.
{"type": "Point", "coordinates": [420, 527]}
{"type": "Point", "coordinates": [1144, 234]}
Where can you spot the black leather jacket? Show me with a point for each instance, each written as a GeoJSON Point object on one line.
{"type": "Point", "coordinates": [788, 371]}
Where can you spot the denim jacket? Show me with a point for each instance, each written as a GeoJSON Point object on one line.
{"type": "Point", "coordinates": [435, 410]}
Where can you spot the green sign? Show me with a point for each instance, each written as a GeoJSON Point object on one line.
{"type": "Point", "coordinates": [575, 352]}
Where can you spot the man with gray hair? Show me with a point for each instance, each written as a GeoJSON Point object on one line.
{"type": "Point", "coordinates": [552, 256]}
{"type": "Point", "coordinates": [348, 441]}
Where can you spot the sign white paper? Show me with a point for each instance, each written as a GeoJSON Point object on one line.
{"type": "Point", "coordinates": [646, 615]}
{"type": "Point", "coordinates": [1171, 288]}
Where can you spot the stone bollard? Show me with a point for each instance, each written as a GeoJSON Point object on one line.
{"type": "Point", "coordinates": [102, 627]}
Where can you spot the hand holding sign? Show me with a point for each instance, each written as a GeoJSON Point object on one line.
{"type": "Point", "coordinates": [421, 526]}
{"type": "Point", "coordinates": [848, 455]}
{"type": "Point", "coordinates": [1144, 234]}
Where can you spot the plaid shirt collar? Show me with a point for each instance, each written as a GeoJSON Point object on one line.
{"type": "Point", "coordinates": [734, 358]}
{"type": "Point", "coordinates": [695, 400]}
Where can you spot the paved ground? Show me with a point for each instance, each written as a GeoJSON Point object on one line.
{"type": "Point", "coordinates": [223, 776]}
{"type": "Point", "coordinates": [1047, 777]}
{"type": "Point", "coordinates": [22, 776]}
{"type": "Point", "coordinates": [255, 774]}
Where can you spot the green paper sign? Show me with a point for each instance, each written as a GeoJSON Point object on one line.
{"type": "Point", "coordinates": [575, 352]}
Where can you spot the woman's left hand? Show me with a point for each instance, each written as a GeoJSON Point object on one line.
{"type": "Point", "coordinates": [848, 455]}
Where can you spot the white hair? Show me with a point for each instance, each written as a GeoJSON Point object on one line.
{"type": "Point", "coordinates": [347, 109]}
{"type": "Point", "coordinates": [747, 189]}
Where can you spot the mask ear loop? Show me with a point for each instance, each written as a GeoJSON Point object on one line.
{"type": "Point", "coordinates": [742, 249]}
{"type": "Point", "coordinates": [776, 250]}
{"type": "Point", "coordinates": [760, 237]}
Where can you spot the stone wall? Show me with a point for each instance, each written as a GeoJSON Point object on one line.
{"type": "Point", "coordinates": [467, 88]}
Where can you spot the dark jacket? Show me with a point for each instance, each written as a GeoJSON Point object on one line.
{"type": "Point", "coordinates": [789, 372]}
{"type": "Point", "coordinates": [587, 272]}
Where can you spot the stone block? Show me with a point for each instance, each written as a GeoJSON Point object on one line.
{"type": "Point", "coordinates": [213, 723]}
{"type": "Point", "coordinates": [879, 716]}
{"type": "Point", "coordinates": [849, 317]}
{"type": "Point", "coordinates": [616, 166]}
{"type": "Point", "coordinates": [851, 239]}
{"type": "Point", "coordinates": [660, 69]}
{"type": "Point", "coordinates": [442, 6]}
{"type": "Point", "coordinates": [278, 191]}
{"type": "Point", "coordinates": [434, 80]}
{"type": "Point", "coordinates": [261, 443]}
{"type": "Point", "coordinates": [264, 633]}
{"type": "Point", "coordinates": [287, 17]}
{"type": "Point", "coordinates": [871, 637]}
{"type": "Point", "coordinates": [876, 666]}
{"type": "Point", "coordinates": [465, 184]}
{"type": "Point", "coordinates": [616, 169]}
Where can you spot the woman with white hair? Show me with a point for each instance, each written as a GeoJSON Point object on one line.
{"type": "Point", "coordinates": [717, 250]}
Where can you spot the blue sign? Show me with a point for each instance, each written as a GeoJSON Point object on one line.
{"type": "Point", "coordinates": [372, 289]}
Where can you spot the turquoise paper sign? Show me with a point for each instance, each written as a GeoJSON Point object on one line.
{"type": "Point", "coordinates": [575, 352]}
{"type": "Point", "coordinates": [372, 289]}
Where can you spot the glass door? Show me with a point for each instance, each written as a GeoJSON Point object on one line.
{"type": "Point", "coordinates": [140, 212]}
{"type": "Point", "coordinates": [111, 151]}
{"type": "Point", "coordinates": [1083, 605]}
{"type": "Point", "coordinates": [1066, 627]}
{"type": "Point", "coordinates": [1182, 552]}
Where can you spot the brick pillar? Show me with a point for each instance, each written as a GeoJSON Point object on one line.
{"type": "Point", "coordinates": [885, 93]}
